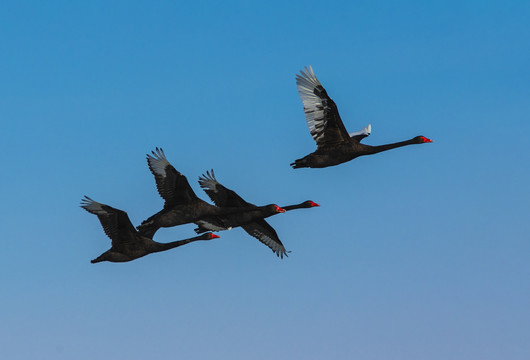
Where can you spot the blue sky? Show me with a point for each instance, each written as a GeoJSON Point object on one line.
{"type": "Point", "coordinates": [417, 253]}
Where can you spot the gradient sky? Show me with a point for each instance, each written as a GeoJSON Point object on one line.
{"type": "Point", "coordinates": [418, 253]}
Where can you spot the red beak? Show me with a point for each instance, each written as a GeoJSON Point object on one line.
{"type": "Point", "coordinates": [314, 204]}
{"type": "Point", "coordinates": [426, 140]}
{"type": "Point", "coordinates": [280, 210]}
{"type": "Point", "coordinates": [215, 236]}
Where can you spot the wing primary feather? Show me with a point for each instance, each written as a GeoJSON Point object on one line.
{"type": "Point", "coordinates": [321, 112]}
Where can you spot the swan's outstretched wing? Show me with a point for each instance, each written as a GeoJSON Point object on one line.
{"type": "Point", "coordinates": [172, 186]}
{"type": "Point", "coordinates": [261, 230]}
{"type": "Point", "coordinates": [220, 195]}
{"type": "Point", "coordinates": [115, 222]}
{"type": "Point", "coordinates": [321, 112]}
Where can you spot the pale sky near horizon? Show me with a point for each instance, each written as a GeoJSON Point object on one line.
{"type": "Point", "coordinates": [417, 253]}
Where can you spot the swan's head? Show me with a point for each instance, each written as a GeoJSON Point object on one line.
{"type": "Point", "coordinates": [421, 140]}
{"type": "Point", "coordinates": [210, 236]}
{"type": "Point", "coordinates": [278, 209]}
{"type": "Point", "coordinates": [309, 204]}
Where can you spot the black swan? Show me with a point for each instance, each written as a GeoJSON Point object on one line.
{"type": "Point", "coordinates": [257, 228]}
{"type": "Point", "coordinates": [182, 206]}
{"type": "Point", "coordinates": [334, 144]}
{"type": "Point", "coordinates": [127, 243]}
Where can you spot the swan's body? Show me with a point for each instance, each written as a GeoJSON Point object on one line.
{"type": "Point", "coordinates": [182, 205]}
{"type": "Point", "coordinates": [127, 243]}
{"type": "Point", "coordinates": [256, 227]}
{"type": "Point", "coordinates": [334, 144]}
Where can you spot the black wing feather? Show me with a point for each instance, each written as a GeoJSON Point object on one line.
{"type": "Point", "coordinates": [220, 195]}
{"type": "Point", "coordinates": [322, 114]}
{"type": "Point", "coordinates": [115, 222]}
{"type": "Point", "coordinates": [261, 230]}
{"type": "Point", "coordinates": [172, 186]}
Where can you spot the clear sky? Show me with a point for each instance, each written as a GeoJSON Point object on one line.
{"type": "Point", "coordinates": [418, 253]}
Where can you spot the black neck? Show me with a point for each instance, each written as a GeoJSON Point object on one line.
{"type": "Point", "coordinates": [171, 245]}
{"type": "Point", "coordinates": [293, 207]}
{"type": "Point", "coordinates": [377, 149]}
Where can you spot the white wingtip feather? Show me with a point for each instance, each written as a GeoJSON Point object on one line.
{"type": "Point", "coordinates": [366, 131]}
{"type": "Point", "coordinates": [158, 162]}
{"type": "Point", "coordinates": [208, 181]}
{"type": "Point", "coordinates": [92, 206]}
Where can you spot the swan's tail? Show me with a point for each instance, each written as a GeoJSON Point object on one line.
{"type": "Point", "coordinates": [98, 259]}
{"type": "Point", "coordinates": [148, 228]}
{"type": "Point", "coordinates": [300, 163]}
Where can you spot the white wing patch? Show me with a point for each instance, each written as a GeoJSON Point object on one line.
{"type": "Point", "coordinates": [158, 162]}
{"type": "Point", "coordinates": [93, 206]}
{"type": "Point", "coordinates": [208, 181]}
{"type": "Point", "coordinates": [313, 107]}
{"type": "Point", "coordinates": [366, 131]}
{"type": "Point", "coordinates": [210, 226]}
